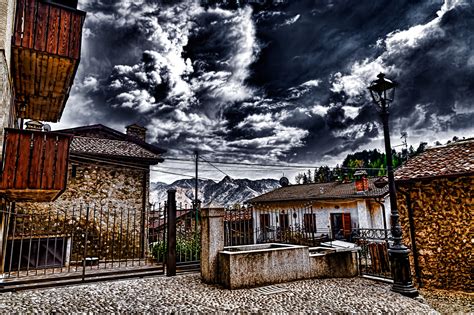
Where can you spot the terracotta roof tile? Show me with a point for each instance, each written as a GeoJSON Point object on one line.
{"type": "Point", "coordinates": [109, 147]}
{"type": "Point", "coordinates": [453, 159]}
{"type": "Point", "coordinates": [321, 191]}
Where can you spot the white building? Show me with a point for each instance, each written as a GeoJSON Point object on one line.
{"type": "Point", "coordinates": [332, 210]}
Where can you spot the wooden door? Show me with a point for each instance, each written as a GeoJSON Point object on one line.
{"type": "Point", "coordinates": [346, 224]}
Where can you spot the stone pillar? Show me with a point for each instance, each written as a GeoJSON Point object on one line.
{"type": "Point", "coordinates": [212, 241]}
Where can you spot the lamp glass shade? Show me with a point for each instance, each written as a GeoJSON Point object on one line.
{"type": "Point", "coordinates": [382, 90]}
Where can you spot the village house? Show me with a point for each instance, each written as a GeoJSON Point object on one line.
{"type": "Point", "coordinates": [107, 193]}
{"type": "Point", "coordinates": [40, 48]}
{"type": "Point", "coordinates": [321, 210]}
{"type": "Point", "coordinates": [435, 201]}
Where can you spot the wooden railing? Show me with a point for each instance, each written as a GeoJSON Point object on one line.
{"type": "Point", "coordinates": [34, 165]}
{"type": "Point", "coordinates": [49, 28]}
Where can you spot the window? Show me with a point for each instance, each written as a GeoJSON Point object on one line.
{"type": "Point", "coordinates": [45, 252]}
{"type": "Point", "coordinates": [264, 221]}
{"type": "Point", "coordinates": [309, 221]}
{"type": "Point", "coordinates": [284, 221]}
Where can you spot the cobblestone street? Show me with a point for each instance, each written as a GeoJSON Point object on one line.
{"type": "Point", "coordinates": [186, 293]}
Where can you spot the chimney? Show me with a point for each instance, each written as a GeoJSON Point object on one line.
{"type": "Point", "coordinates": [361, 182]}
{"type": "Point", "coordinates": [136, 131]}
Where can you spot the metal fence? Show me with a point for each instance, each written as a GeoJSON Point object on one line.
{"type": "Point", "coordinates": [296, 226]}
{"type": "Point", "coordinates": [188, 235]}
{"type": "Point", "coordinates": [78, 241]}
{"type": "Point", "coordinates": [373, 253]}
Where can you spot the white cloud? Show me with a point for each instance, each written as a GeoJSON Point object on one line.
{"type": "Point", "coordinates": [398, 42]}
{"type": "Point", "coordinates": [319, 110]}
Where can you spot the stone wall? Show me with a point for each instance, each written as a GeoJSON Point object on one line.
{"type": "Point", "coordinates": [6, 96]}
{"type": "Point", "coordinates": [107, 201]}
{"type": "Point", "coordinates": [7, 10]}
{"type": "Point", "coordinates": [443, 222]}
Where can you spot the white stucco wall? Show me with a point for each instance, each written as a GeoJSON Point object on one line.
{"type": "Point", "coordinates": [365, 213]}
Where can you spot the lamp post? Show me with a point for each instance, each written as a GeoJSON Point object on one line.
{"type": "Point", "coordinates": [382, 91]}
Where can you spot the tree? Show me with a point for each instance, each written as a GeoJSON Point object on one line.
{"type": "Point", "coordinates": [305, 179]}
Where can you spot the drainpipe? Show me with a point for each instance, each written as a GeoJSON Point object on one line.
{"type": "Point", "coordinates": [411, 222]}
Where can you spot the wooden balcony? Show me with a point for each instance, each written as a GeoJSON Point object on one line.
{"type": "Point", "coordinates": [46, 47]}
{"type": "Point", "coordinates": [34, 165]}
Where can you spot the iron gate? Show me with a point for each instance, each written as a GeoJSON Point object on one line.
{"type": "Point", "coordinates": [80, 243]}
{"type": "Point", "coordinates": [187, 239]}
{"type": "Point", "coordinates": [373, 254]}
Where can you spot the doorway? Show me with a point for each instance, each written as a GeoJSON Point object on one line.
{"type": "Point", "coordinates": [341, 225]}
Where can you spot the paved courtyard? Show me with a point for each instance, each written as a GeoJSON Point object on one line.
{"type": "Point", "coordinates": [186, 293]}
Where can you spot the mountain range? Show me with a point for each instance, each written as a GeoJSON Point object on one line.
{"type": "Point", "coordinates": [226, 192]}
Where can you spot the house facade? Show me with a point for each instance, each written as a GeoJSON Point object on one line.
{"type": "Point", "coordinates": [322, 210]}
{"type": "Point", "coordinates": [7, 110]}
{"type": "Point", "coordinates": [107, 195]}
{"type": "Point", "coordinates": [435, 201]}
{"type": "Point", "coordinates": [40, 48]}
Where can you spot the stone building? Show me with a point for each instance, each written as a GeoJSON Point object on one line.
{"type": "Point", "coordinates": [435, 200]}
{"type": "Point", "coordinates": [107, 195]}
{"type": "Point", "coordinates": [7, 115]}
{"type": "Point", "coordinates": [34, 35]}
{"type": "Point", "coordinates": [323, 208]}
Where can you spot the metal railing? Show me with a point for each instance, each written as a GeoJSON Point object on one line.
{"type": "Point", "coordinates": [373, 254]}
{"type": "Point", "coordinates": [82, 240]}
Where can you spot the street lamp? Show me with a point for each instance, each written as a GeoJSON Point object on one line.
{"type": "Point", "coordinates": [382, 91]}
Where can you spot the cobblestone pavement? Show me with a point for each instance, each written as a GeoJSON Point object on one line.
{"type": "Point", "coordinates": [186, 293]}
{"type": "Point", "coordinates": [449, 302]}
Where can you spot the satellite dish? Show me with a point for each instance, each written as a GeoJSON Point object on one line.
{"type": "Point", "coordinates": [284, 182]}
{"type": "Point", "coordinates": [46, 127]}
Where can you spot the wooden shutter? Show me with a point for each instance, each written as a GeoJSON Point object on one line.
{"type": "Point", "coordinates": [346, 224]}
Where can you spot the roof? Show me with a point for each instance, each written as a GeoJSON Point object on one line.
{"type": "Point", "coordinates": [320, 191]}
{"type": "Point", "coordinates": [102, 141]}
{"type": "Point", "coordinates": [101, 131]}
{"type": "Point", "coordinates": [109, 147]}
{"type": "Point", "coordinates": [453, 159]}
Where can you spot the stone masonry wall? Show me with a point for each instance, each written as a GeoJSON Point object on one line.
{"type": "Point", "coordinates": [7, 10]}
{"type": "Point", "coordinates": [6, 96]}
{"type": "Point", "coordinates": [114, 197]}
{"type": "Point", "coordinates": [443, 217]}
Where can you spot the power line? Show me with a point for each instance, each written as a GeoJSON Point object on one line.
{"type": "Point", "coordinates": [215, 167]}
{"type": "Point", "coordinates": [180, 174]}
{"type": "Point", "coordinates": [280, 166]}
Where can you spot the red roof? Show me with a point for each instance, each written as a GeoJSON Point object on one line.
{"type": "Point", "coordinates": [453, 159]}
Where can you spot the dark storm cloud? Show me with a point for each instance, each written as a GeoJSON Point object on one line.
{"type": "Point", "coordinates": [284, 85]}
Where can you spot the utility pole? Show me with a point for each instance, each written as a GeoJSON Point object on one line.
{"type": "Point", "coordinates": [196, 182]}
{"type": "Point", "coordinates": [404, 143]}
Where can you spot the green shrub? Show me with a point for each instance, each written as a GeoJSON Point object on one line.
{"type": "Point", "coordinates": [188, 248]}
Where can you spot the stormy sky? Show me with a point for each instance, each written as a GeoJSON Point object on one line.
{"type": "Point", "coordinates": [275, 86]}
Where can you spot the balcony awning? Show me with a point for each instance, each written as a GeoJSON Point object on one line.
{"type": "Point", "coordinates": [46, 47]}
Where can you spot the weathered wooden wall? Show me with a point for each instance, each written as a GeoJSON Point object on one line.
{"type": "Point", "coordinates": [443, 220]}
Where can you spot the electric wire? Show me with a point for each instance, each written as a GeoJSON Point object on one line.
{"type": "Point", "coordinates": [280, 166]}
{"type": "Point", "coordinates": [180, 174]}
{"type": "Point", "coordinates": [214, 166]}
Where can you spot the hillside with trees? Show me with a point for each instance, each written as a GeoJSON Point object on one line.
{"type": "Point", "coordinates": [373, 162]}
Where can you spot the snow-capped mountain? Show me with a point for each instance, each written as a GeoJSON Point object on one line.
{"type": "Point", "coordinates": [227, 192]}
